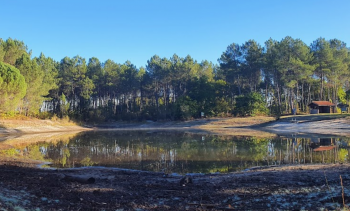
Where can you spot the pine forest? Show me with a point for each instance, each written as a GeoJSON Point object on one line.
{"type": "Point", "coordinates": [248, 79]}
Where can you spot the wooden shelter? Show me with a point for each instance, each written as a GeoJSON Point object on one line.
{"type": "Point", "coordinates": [322, 144]}
{"type": "Point", "coordinates": [317, 107]}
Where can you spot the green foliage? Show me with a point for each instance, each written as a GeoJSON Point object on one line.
{"type": "Point", "coordinates": [87, 87]}
{"type": "Point", "coordinates": [9, 152]}
{"type": "Point", "coordinates": [33, 152]}
{"type": "Point", "coordinates": [87, 162]}
{"type": "Point", "coordinates": [64, 106]}
{"type": "Point", "coordinates": [12, 87]}
{"type": "Point", "coordinates": [250, 105]}
{"type": "Point", "coordinates": [221, 108]}
{"type": "Point", "coordinates": [288, 74]}
{"type": "Point", "coordinates": [185, 108]}
{"type": "Point", "coordinates": [342, 96]}
{"type": "Point", "coordinates": [12, 50]}
{"type": "Point", "coordinates": [50, 81]}
{"type": "Point", "coordinates": [8, 115]}
{"type": "Point", "coordinates": [338, 110]}
{"type": "Point", "coordinates": [65, 156]}
{"type": "Point", "coordinates": [97, 115]}
{"type": "Point", "coordinates": [2, 50]}
{"type": "Point", "coordinates": [34, 78]}
{"type": "Point", "coordinates": [343, 155]}
{"type": "Point", "coordinates": [149, 113]}
{"type": "Point", "coordinates": [46, 115]}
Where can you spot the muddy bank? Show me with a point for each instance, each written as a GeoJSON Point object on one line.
{"type": "Point", "coordinates": [306, 187]}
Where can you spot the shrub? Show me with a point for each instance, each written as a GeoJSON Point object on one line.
{"type": "Point", "coordinates": [251, 104]}
{"type": "Point", "coordinates": [9, 152]}
{"type": "Point", "coordinates": [45, 115]}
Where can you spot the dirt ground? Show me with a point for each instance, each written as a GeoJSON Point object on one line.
{"type": "Point", "coordinates": [311, 187]}
{"type": "Point", "coordinates": [24, 186]}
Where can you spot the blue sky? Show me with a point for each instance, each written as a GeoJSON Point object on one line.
{"type": "Point", "coordinates": [135, 30]}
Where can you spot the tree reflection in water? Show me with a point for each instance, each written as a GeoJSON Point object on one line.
{"type": "Point", "coordinates": [184, 153]}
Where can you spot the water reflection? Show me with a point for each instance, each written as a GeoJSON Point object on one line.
{"type": "Point", "coordinates": [183, 153]}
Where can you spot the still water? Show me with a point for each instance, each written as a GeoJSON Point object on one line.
{"type": "Point", "coordinates": [184, 153]}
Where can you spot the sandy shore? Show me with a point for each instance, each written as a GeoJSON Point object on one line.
{"type": "Point", "coordinates": [338, 127]}
{"type": "Point", "coordinates": [36, 126]}
{"type": "Point", "coordinates": [251, 126]}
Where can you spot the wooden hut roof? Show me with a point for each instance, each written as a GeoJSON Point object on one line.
{"type": "Point", "coordinates": [322, 103]}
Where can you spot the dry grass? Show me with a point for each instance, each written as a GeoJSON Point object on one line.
{"type": "Point", "coordinates": [240, 121]}
{"type": "Point", "coordinates": [36, 126]}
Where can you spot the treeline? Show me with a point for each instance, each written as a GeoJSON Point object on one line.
{"type": "Point", "coordinates": [250, 79]}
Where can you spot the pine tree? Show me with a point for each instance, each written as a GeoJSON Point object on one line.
{"type": "Point", "coordinates": [12, 87]}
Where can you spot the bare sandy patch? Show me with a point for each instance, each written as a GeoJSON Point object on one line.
{"type": "Point", "coordinates": [338, 127]}
{"type": "Point", "coordinates": [10, 126]}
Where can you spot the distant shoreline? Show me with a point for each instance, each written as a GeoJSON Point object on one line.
{"type": "Point", "coordinates": [249, 126]}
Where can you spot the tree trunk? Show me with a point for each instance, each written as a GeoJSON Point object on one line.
{"type": "Point", "coordinates": [297, 97]}
{"type": "Point", "coordinates": [141, 98]}
{"type": "Point", "coordinates": [328, 97]}
{"type": "Point", "coordinates": [309, 95]}
{"type": "Point", "coordinates": [321, 90]}
{"type": "Point", "coordinates": [286, 101]}
{"type": "Point", "coordinates": [266, 92]}
{"type": "Point", "coordinates": [302, 102]}
{"type": "Point", "coordinates": [279, 99]}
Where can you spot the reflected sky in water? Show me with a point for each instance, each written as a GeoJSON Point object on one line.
{"type": "Point", "coordinates": [184, 153]}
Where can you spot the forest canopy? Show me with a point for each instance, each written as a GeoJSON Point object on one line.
{"type": "Point", "coordinates": [249, 79]}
